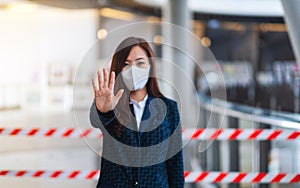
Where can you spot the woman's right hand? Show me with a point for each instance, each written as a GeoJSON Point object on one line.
{"type": "Point", "coordinates": [104, 93]}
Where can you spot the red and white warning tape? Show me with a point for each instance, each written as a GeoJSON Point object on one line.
{"type": "Point", "coordinates": [238, 177]}
{"type": "Point", "coordinates": [241, 134]}
{"type": "Point", "coordinates": [190, 177]}
{"type": "Point", "coordinates": [196, 134]}
{"type": "Point", "coordinates": [51, 132]}
{"type": "Point", "coordinates": [52, 174]}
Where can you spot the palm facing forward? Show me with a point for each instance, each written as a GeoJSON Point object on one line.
{"type": "Point", "coordinates": [104, 93]}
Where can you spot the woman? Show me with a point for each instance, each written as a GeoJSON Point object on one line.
{"type": "Point", "coordinates": [141, 128]}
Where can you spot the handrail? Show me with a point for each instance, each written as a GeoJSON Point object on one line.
{"type": "Point", "coordinates": [255, 114]}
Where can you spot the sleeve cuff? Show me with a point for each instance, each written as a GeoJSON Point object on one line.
{"type": "Point", "coordinates": [107, 115]}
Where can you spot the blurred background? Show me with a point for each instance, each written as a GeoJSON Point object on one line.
{"type": "Point", "coordinates": [43, 42]}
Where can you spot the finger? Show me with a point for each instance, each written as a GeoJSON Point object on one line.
{"type": "Point", "coordinates": [112, 80]}
{"type": "Point", "coordinates": [94, 86]}
{"type": "Point", "coordinates": [99, 81]}
{"type": "Point", "coordinates": [105, 84]}
{"type": "Point", "coordinates": [119, 95]}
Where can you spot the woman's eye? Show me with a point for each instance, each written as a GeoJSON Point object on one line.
{"type": "Point", "coordinates": [141, 63]}
{"type": "Point", "coordinates": [126, 63]}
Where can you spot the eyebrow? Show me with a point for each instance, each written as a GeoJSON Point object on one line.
{"type": "Point", "coordinates": [140, 58]}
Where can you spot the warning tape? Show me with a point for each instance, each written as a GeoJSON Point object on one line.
{"type": "Point", "coordinates": [52, 174]}
{"type": "Point", "coordinates": [238, 177]}
{"type": "Point", "coordinates": [51, 132]}
{"type": "Point", "coordinates": [196, 134]}
{"type": "Point", "coordinates": [190, 177]}
{"type": "Point", "coordinates": [241, 134]}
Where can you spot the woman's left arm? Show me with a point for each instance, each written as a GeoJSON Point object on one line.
{"type": "Point", "coordinates": [175, 163]}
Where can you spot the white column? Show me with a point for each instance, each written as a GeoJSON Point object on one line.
{"type": "Point", "coordinates": [176, 12]}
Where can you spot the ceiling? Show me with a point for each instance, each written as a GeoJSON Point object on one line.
{"type": "Point", "coordinates": [70, 4]}
{"type": "Point", "coordinates": [269, 8]}
{"type": "Point", "coordinates": [228, 7]}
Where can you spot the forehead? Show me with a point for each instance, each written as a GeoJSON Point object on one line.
{"type": "Point", "coordinates": [136, 52]}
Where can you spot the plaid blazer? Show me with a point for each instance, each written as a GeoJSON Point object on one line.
{"type": "Point", "coordinates": [150, 157]}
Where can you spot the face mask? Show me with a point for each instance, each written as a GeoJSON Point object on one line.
{"type": "Point", "coordinates": [135, 78]}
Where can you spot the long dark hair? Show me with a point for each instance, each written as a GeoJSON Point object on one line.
{"type": "Point", "coordinates": [118, 62]}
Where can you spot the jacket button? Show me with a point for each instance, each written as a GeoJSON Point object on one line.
{"type": "Point", "coordinates": [135, 183]}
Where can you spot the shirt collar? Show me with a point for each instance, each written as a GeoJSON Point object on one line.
{"type": "Point", "coordinates": [142, 103]}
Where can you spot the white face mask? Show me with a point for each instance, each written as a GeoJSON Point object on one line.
{"type": "Point", "coordinates": [135, 78]}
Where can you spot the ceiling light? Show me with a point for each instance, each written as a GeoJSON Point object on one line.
{"type": "Point", "coordinates": [116, 14]}
{"type": "Point", "coordinates": [102, 34]}
{"type": "Point", "coordinates": [157, 39]}
{"type": "Point", "coordinates": [205, 41]}
{"type": "Point", "coordinates": [21, 7]}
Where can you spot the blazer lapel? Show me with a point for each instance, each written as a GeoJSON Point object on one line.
{"type": "Point", "coordinates": [146, 115]}
{"type": "Point", "coordinates": [153, 114]}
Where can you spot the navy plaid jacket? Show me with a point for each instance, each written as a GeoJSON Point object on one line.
{"type": "Point", "coordinates": [148, 158]}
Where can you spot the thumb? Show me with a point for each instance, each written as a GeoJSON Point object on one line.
{"type": "Point", "coordinates": [119, 95]}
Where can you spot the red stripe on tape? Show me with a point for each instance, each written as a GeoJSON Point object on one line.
{"type": "Point", "coordinates": [68, 132]}
{"type": "Point", "coordinates": [74, 174]}
{"type": "Point", "coordinates": [92, 174]}
{"type": "Point", "coordinates": [38, 173]}
{"type": "Point", "coordinates": [239, 178]}
{"type": "Point", "coordinates": [274, 135]}
{"type": "Point", "coordinates": [21, 173]}
{"type": "Point", "coordinates": [201, 177]}
{"type": "Point", "coordinates": [294, 135]}
{"type": "Point", "coordinates": [220, 177]}
{"type": "Point", "coordinates": [296, 179]}
{"type": "Point", "coordinates": [32, 132]}
{"type": "Point", "coordinates": [236, 133]}
{"type": "Point", "coordinates": [255, 134]}
{"type": "Point", "coordinates": [216, 134]}
{"type": "Point", "coordinates": [197, 133]}
{"type": "Point", "coordinates": [4, 172]}
{"type": "Point", "coordinates": [86, 132]}
{"type": "Point", "coordinates": [186, 173]}
{"type": "Point", "coordinates": [278, 178]}
{"type": "Point", "coordinates": [50, 132]}
{"type": "Point", "coordinates": [56, 174]}
{"type": "Point", "coordinates": [15, 132]}
{"type": "Point", "coordinates": [1, 130]}
{"type": "Point", "coordinates": [259, 177]}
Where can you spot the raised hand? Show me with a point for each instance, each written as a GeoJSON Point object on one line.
{"type": "Point", "coordinates": [104, 93]}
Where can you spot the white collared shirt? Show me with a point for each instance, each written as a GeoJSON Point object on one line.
{"type": "Point", "coordinates": [138, 108]}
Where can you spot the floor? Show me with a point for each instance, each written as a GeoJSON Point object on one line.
{"type": "Point", "coordinates": [41, 153]}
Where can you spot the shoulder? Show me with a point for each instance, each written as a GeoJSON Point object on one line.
{"type": "Point", "coordinates": [169, 102]}
{"type": "Point", "coordinates": [172, 107]}
{"type": "Point", "coordinates": [172, 110]}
